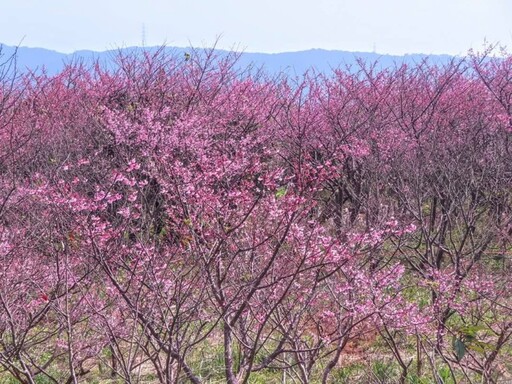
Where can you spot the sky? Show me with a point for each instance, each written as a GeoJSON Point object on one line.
{"type": "Point", "coordinates": [384, 26]}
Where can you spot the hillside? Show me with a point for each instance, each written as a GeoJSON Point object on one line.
{"type": "Point", "coordinates": [288, 62]}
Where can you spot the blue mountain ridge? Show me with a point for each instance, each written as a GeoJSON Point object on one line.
{"type": "Point", "coordinates": [291, 63]}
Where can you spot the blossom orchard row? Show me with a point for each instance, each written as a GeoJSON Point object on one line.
{"type": "Point", "coordinates": [157, 211]}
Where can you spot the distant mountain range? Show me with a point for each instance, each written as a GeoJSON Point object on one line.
{"type": "Point", "coordinates": [293, 63]}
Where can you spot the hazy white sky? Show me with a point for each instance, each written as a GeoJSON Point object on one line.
{"type": "Point", "coordinates": [388, 26]}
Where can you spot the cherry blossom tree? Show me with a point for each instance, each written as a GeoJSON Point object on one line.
{"type": "Point", "coordinates": [168, 207]}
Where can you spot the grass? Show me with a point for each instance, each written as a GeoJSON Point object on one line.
{"type": "Point", "coordinates": [373, 365]}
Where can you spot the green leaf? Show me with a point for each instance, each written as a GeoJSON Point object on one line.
{"type": "Point", "coordinates": [445, 375]}
{"type": "Point", "coordinates": [480, 346]}
{"type": "Point", "coordinates": [281, 192]}
{"type": "Point", "coordinates": [460, 348]}
{"type": "Point", "coordinates": [471, 330]}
